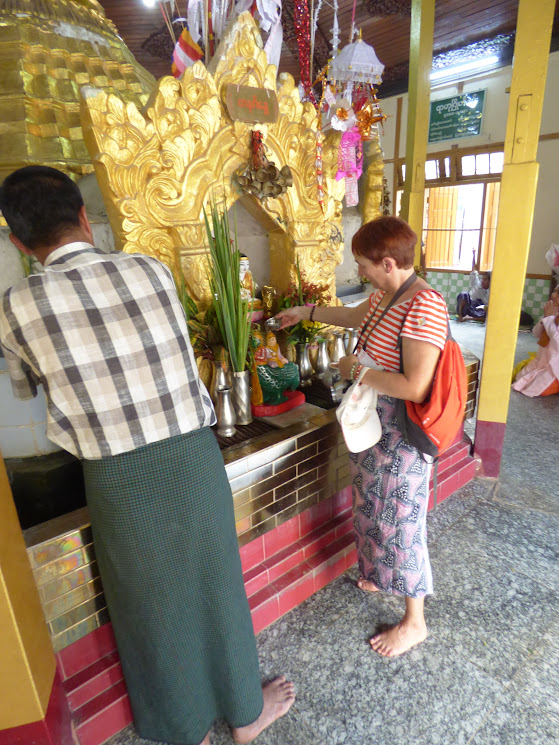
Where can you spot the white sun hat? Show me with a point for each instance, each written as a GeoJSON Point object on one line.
{"type": "Point", "coordinates": [358, 416]}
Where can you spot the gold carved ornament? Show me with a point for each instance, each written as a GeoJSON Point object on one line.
{"type": "Point", "coordinates": [159, 167]}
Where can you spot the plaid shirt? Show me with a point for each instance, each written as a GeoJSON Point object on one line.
{"type": "Point", "coordinates": [107, 337]}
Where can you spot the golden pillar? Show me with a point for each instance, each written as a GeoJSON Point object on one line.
{"type": "Point", "coordinates": [421, 55]}
{"type": "Point", "coordinates": [514, 226]}
{"type": "Point", "coordinates": [28, 663]}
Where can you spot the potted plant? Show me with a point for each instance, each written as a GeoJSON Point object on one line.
{"type": "Point", "coordinates": [231, 308]}
{"type": "Point", "coordinates": [302, 292]}
{"type": "Point", "coordinates": [305, 334]}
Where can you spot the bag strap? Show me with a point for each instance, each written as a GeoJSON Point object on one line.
{"type": "Point", "coordinates": [449, 336]}
{"type": "Point", "coordinates": [435, 480]}
{"type": "Point", "coordinates": [399, 292]}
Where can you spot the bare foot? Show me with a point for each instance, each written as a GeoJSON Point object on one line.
{"type": "Point", "coordinates": [399, 638]}
{"type": "Point", "coordinates": [366, 586]}
{"type": "Point", "coordinates": [279, 695]}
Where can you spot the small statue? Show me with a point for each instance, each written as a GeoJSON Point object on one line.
{"type": "Point", "coordinates": [268, 296]}
{"type": "Point", "coordinates": [275, 373]}
{"type": "Point", "coordinates": [248, 285]}
{"type": "Point", "coordinates": [274, 357]}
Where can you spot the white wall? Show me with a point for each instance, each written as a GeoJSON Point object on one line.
{"type": "Point", "coordinates": [546, 214]}
{"type": "Point", "coordinates": [346, 272]}
{"type": "Point", "coordinates": [252, 240]}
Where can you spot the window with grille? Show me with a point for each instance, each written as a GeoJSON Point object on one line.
{"type": "Point", "coordinates": [460, 211]}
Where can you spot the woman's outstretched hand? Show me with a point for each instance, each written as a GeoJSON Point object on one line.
{"type": "Point", "coordinates": [291, 316]}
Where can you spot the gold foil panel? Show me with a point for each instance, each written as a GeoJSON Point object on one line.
{"type": "Point", "coordinates": [48, 51]}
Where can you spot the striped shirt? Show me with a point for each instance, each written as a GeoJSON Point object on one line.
{"type": "Point", "coordinates": [107, 337]}
{"type": "Point", "coordinates": [426, 321]}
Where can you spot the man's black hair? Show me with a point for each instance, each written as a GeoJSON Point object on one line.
{"type": "Point", "coordinates": [40, 204]}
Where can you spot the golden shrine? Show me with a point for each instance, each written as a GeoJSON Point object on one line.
{"type": "Point", "coordinates": [158, 169]}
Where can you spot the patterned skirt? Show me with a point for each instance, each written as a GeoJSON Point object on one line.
{"type": "Point", "coordinates": [390, 484]}
{"type": "Point", "coordinates": [165, 541]}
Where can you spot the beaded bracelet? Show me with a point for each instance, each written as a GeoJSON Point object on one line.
{"type": "Point", "coordinates": [353, 368]}
{"type": "Point", "coordinates": [312, 313]}
{"type": "Point", "coordinates": [356, 370]}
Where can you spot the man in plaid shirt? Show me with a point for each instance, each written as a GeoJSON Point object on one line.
{"type": "Point", "coordinates": [107, 337]}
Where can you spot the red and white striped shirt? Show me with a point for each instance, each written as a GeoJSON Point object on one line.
{"type": "Point", "coordinates": [426, 321]}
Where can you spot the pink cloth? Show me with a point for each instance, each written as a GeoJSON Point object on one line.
{"type": "Point", "coordinates": [540, 373]}
{"type": "Point", "coordinates": [350, 155]}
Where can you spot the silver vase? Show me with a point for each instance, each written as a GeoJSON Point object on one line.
{"type": "Point", "coordinates": [225, 412]}
{"type": "Point", "coordinates": [221, 379]}
{"type": "Point", "coordinates": [322, 359]}
{"type": "Point", "coordinates": [353, 335]}
{"type": "Point", "coordinates": [303, 363]}
{"type": "Point", "coordinates": [331, 377]}
{"type": "Point", "coordinates": [241, 397]}
{"type": "Point", "coordinates": [337, 348]}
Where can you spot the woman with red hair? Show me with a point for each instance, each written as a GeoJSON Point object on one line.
{"type": "Point", "coordinates": [390, 481]}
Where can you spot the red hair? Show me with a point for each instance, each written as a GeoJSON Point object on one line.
{"type": "Point", "coordinates": [386, 236]}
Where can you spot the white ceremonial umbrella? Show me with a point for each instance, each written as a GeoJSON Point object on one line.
{"type": "Point", "coordinates": [357, 63]}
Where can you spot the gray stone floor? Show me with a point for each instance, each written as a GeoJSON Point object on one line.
{"type": "Point", "coordinates": [489, 672]}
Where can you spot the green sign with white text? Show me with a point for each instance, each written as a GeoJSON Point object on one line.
{"type": "Point", "coordinates": [459, 116]}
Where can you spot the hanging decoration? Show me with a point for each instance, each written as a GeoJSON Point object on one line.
{"type": "Point", "coordinates": [369, 114]}
{"type": "Point", "coordinates": [357, 63]}
{"type": "Point", "coordinates": [335, 31]}
{"type": "Point", "coordinates": [270, 21]}
{"type": "Point", "coordinates": [262, 178]}
{"type": "Point", "coordinates": [354, 70]}
{"type": "Point", "coordinates": [322, 78]}
{"type": "Point", "coordinates": [350, 164]}
{"type": "Point", "coordinates": [343, 116]}
{"type": "Point", "coordinates": [347, 92]}
{"type": "Point", "coordinates": [301, 22]}
{"type": "Point", "coordinates": [314, 25]}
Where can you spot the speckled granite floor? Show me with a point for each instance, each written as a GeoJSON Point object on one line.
{"type": "Point", "coordinates": [489, 672]}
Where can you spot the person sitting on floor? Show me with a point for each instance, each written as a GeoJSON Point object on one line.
{"type": "Point", "coordinates": [473, 304]}
{"type": "Point", "coordinates": [540, 376]}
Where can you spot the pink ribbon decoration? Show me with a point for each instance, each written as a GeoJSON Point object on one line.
{"type": "Point", "coordinates": [350, 155]}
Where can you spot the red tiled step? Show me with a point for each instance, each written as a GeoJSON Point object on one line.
{"type": "Point", "coordinates": [86, 651]}
{"type": "Point", "coordinates": [93, 680]}
{"type": "Point", "coordinates": [453, 455]}
{"type": "Point", "coordinates": [290, 589]}
{"type": "Point", "coordinates": [453, 478]}
{"type": "Point", "coordinates": [267, 571]}
{"type": "Point", "coordinates": [103, 716]}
